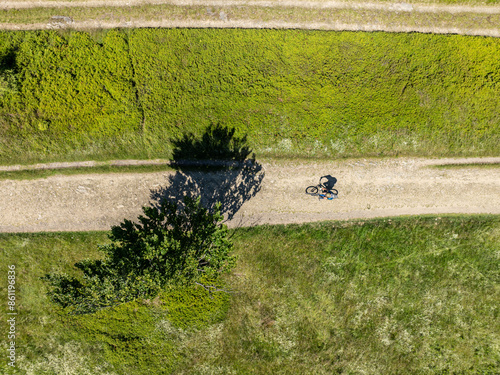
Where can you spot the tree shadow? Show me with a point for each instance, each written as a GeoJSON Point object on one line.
{"type": "Point", "coordinates": [8, 70]}
{"type": "Point", "coordinates": [8, 60]}
{"type": "Point", "coordinates": [217, 143]}
{"type": "Point", "coordinates": [214, 168]}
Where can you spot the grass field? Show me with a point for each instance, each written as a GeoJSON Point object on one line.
{"type": "Point", "coordinates": [386, 296]}
{"type": "Point", "coordinates": [409, 295]}
{"type": "Point", "coordinates": [128, 93]}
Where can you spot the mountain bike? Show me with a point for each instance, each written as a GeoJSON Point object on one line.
{"type": "Point", "coordinates": [322, 191]}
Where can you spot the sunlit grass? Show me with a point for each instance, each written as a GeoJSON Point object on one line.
{"type": "Point", "coordinates": [41, 148]}
{"type": "Point", "coordinates": [40, 335]}
{"type": "Point", "coordinates": [158, 146]}
{"type": "Point", "coordinates": [392, 125]}
{"type": "Point", "coordinates": [387, 296]}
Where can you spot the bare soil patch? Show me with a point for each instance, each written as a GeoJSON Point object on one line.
{"type": "Point", "coordinates": [367, 188]}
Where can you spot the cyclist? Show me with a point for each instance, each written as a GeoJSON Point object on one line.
{"type": "Point", "coordinates": [325, 193]}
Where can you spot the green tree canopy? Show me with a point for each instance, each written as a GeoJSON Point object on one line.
{"type": "Point", "coordinates": [168, 245]}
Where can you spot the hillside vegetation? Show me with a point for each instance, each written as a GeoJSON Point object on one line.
{"type": "Point", "coordinates": [120, 94]}
{"type": "Point", "coordinates": [393, 296]}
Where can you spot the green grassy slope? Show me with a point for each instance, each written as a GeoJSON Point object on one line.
{"type": "Point", "coordinates": [127, 93]}
{"type": "Point", "coordinates": [407, 295]}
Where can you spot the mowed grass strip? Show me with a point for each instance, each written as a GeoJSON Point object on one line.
{"type": "Point", "coordinates": [466, 165]}
{"type": "Point", "coordinates": [32, 174]}
{"type": "Point", "coordinates": [306, 3]}
{"type": "Point", "coordinates": [404, 295]}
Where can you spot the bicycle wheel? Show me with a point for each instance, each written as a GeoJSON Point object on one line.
{"type": "Point", "coordinates": [312, 190]}
{"type": "Point", "coordinates": [334, 191]}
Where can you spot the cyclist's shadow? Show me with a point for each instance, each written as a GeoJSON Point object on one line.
{"type": "Point", "coordinates": [330, 181]}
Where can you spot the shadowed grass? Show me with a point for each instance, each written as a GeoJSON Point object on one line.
{"type": "Point", "coordinates": [467, 165]}
{"type": "Point", "coordinates": [387, 296]}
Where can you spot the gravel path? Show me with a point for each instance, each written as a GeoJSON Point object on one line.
{"type": "Point", "coordinates": [249, 24]}
{"type": "Point", "coordinates": [325, 4]}
{"type": "Point", "coordinates": [274, 194]}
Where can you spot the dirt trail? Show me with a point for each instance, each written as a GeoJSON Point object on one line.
{"type": "Point", "coordinates": [367, 188]}
{"type": "Point", "coordinates": [325, 4]}
{"type": "Point", "coordinates": [480, 23]}
{"type": "Point", "coordinates": [249, 24]}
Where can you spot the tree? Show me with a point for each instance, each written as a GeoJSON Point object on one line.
{"type": "Point", "coordinates": [168, 245]}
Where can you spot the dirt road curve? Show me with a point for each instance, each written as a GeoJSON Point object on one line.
{"type": "Point", "coordinates": [273, 194]}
